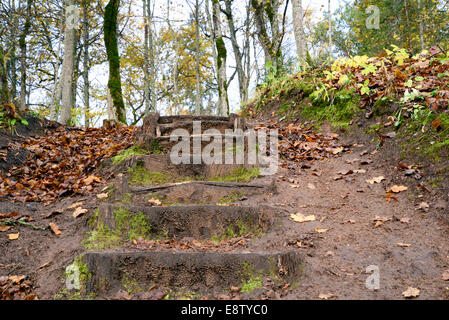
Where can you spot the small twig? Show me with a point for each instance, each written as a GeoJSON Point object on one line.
{"type": "Point", "coordinates": [22, 222]}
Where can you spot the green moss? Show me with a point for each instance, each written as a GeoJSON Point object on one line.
{"type": "Point", "coordinates": [435, 182]}
{"type": "Point", "coordinates": [234, 196]}
{"type": "Point", "coordinates": [375, 128]}
{"type": "Point", "coordinates": [339, 109]}
{"type": "Point", "coordinates": [127, 198]}
{"type": "Point", "coordinates": [141, 176]}
{"type": "Point", "coordinates": [251, 279]}
{"type": "Point", "coordinates": [129, 226]}
{"type": "Point", "coordinates": [102, 238]}
{"type": "Point", "coordinates": [155, 148]}
{"type": "Point", "coordinates": [92, 220]}
{"type": "Point", "coordinates": [131, 285]}
{"type": "Point", "coordinates": [420, 137]}
{"type": "Point", "coordinates": [80, 270]}
{"type": "Point", "coordinates": [125, 154]}
{"type": "Point", "coordinates": [238, 229]}
{"type": "Point", "coordinates": [132, 225]}
{"type": "Point", "coordinates": [110, 39]}
{"type": "Point", "coordinates": [221, 51]}
{"type": "Point", "coordinates": [238, 175]}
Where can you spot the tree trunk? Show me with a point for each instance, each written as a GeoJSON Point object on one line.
{"type": "Point", "coordinates": [110, 39]}
{"type": "Point", "coordinates": [152, 80]}
{"type": "Point", "coordinates": [68, 64]}
{"type": "Point", "coordinates": [23, 56]}
{"type": "Point", "coordinates": [271, 47]}
{"type": "Point", "coordinates": [197, 59]}
{"type": "Point", "coordinates": [298, 25]}
{"type": "Point", "coordinates": [421, 29]}
{"type": "Point", "coordinates": [13, 58]}
{"type": "Point", "coordinates": [146, 65]}
{"type": "Point", "coordinates": [86, 66]}
{"type": "Point", "coordinates": [223, 105]}
{"type": "Point", "coordinates": [330, 28]}
{"type": "Point", "coordinates": [4, 89]}
{"type": "Point", "coordinates": [237, 52]}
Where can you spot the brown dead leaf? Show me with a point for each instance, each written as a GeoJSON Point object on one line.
{"type": "Point", "coordinates": [311, 186]}
{"type": "Point", "coordinates": [411, 292]}
{"type": "Point", "coordinates": [298, 217]}
{"type": "Point", "coordinates": [326, 296]}
{"type": "Point", "coordinates": [75, 205]}
{"type": "Point", "coordinates": [397, 189]}
{"type": "Point", "coordinates": [155, 201]}
{"type": "Point", "coordinates": [79, 212]}
{"type": "Point", "coordinates": [4, 228]}
{"type": "Point", "coordinates": [102, 196]}
{"type": "Point", "coordinates": [423, 206]}
{"type": "Point", "coordinates": [405, 220]}
{"type": "Point", "coordinates": [9, 215]}
{"type": "Point", "coordinates": [55, 228]}
{"type": "Point", "coordinates": [400, 244]}
{"type": "Point", "coordinates": [14, 236]}
{"type": "Point", "coordinates": [445, 275]}
{"type": "Point", "coordinates": [337, 150]}
{"type": "Point", "coordinates": [91, 179]}
{"type": "Point", "coordinates": [375, 180]}
{"type": "Point", "coordinates": [317, 229]}
{"type": "Point", "coordinates": [16, 279]}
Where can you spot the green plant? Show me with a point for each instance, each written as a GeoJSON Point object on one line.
{"type": "Point", "coordinates": [251, 279]}
{"type": "Point", "coordinates": [125, 154]}
{"type": "Point", "coordinates": [239, 175]}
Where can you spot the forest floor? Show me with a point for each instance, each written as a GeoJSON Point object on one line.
{"type": "Point", "coordinates": [357, 223]}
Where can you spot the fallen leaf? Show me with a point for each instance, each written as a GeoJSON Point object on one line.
{"type": "Point", "coordinates": [317, 229]}
{"type": "Point", "coordinates": [196, 243]}
{"type": "Point", "coordinates": [423, 206]}
{"type": "Point", "coordinates": [311, 186]}
{"type": "Point", "coordinates": [298, 217]}
{"type": "Point", "coordinates": [445, 276]}
{"type": "Point", "coordinates": [54, 213]}
{"type": "Point", "coordinates": [4, 228]}
{"type": "Point", "coordinates": [436, 124]}
{"type": "Point", "coordinates": [79, 211]}
{"type": "Point", "coordinates": [16, 279]}
{"type": "Point", "coordinates": [55, 228]}
{"type": "Point", "coordinates": [383, 219]}
{"type": "Point", "coordinates": [404, 244]}
{"type": "Point", "coordinates": [391, 196]}
{"type": "Point", "coordinates": [75, 205]}
{"type": "Point", "coordinates": [13, 236]}
{"type": "Point", "coordinates": [8, 215]}
{"type": "Point", "coordinates": [405, 220]}
{"type": "Point", "coordinates": [411, 292]}
{"type": "Point", "coordinates": [337, 150]}
{"type": "Point", "coordinates": [375, 180]}
{"type": "Point", "coordinates": [397, 189]}
{"type": "Point", "coordinates": [102, 196]}
{"type": "Point", "coordinates": [91, 179]}
{"type": "Point", "coordinates": [326, 296]}
{"type": "Point", "coordinates": [345, 172]}
{"type": "Point", "coordinates": [294, 186]}
{"type": "Point", "coordinates": [155, 201]}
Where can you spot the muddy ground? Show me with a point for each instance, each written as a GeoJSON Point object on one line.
{"type": "Point", "coordinates": [355, 227]}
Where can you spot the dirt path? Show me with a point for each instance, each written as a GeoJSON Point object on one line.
{"type": "Point", "coordinates": [354, 227]}
{"type": "Point", "coordinates": [336, 260]}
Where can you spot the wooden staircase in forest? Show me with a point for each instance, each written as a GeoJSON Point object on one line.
{"type": "Point", "coordinates": [181, 226]}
